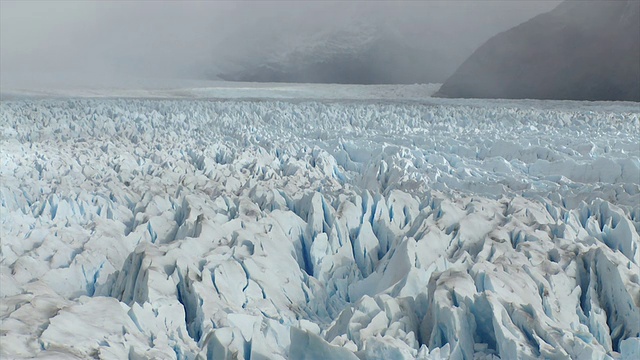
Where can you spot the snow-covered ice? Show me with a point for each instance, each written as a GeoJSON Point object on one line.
{"type": "Point", "coordinates": [366, 228]}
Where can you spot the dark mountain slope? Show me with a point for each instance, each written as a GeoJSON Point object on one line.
{"type": "Point", "coordinates": [581, 50]}
{"type": "Point", "coordinates": [370, 57]}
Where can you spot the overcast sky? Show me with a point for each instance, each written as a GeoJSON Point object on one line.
{"type": "Point", "coordinates": [98, 40]}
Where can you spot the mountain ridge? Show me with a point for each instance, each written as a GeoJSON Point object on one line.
{"type": "Point", "coordinates": [578, 51]}
{"type": "Point", "coordinates": [364, 55]}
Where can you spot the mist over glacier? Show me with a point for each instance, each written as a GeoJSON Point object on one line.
{"type": "Point", "coordinates": [371, 228]}
{"type": "Point", "coordinates": [123, 44]}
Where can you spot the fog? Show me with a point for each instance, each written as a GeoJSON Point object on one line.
{"type": "Point", "coordinates": [102, 43]}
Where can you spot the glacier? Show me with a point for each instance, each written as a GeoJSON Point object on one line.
{"type": "Point", "coordinates": [372, 227]}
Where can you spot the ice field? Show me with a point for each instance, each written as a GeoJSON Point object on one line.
{"type": "Point", "coordinates": [317, 222]}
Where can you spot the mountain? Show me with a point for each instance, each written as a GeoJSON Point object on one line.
{"type": "Point", "coordinates": [364, 56]}
{"type": "Point", "coordinates": [581, 50]}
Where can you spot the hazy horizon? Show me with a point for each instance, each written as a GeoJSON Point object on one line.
{"type": "Point", "coordinates": [102, 43]}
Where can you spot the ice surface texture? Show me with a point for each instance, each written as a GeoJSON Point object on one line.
{"type": "Point", "coordinates": [271, 229]}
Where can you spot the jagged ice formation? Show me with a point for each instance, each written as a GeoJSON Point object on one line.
{"type": "Point", "coordinates": [273, 229]}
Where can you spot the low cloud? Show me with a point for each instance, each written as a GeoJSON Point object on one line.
{"type": "Point", "coordinates": [103, 42]}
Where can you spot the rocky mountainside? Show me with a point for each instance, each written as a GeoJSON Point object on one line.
{"type": "Point", "coordinates": [581, 50]}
